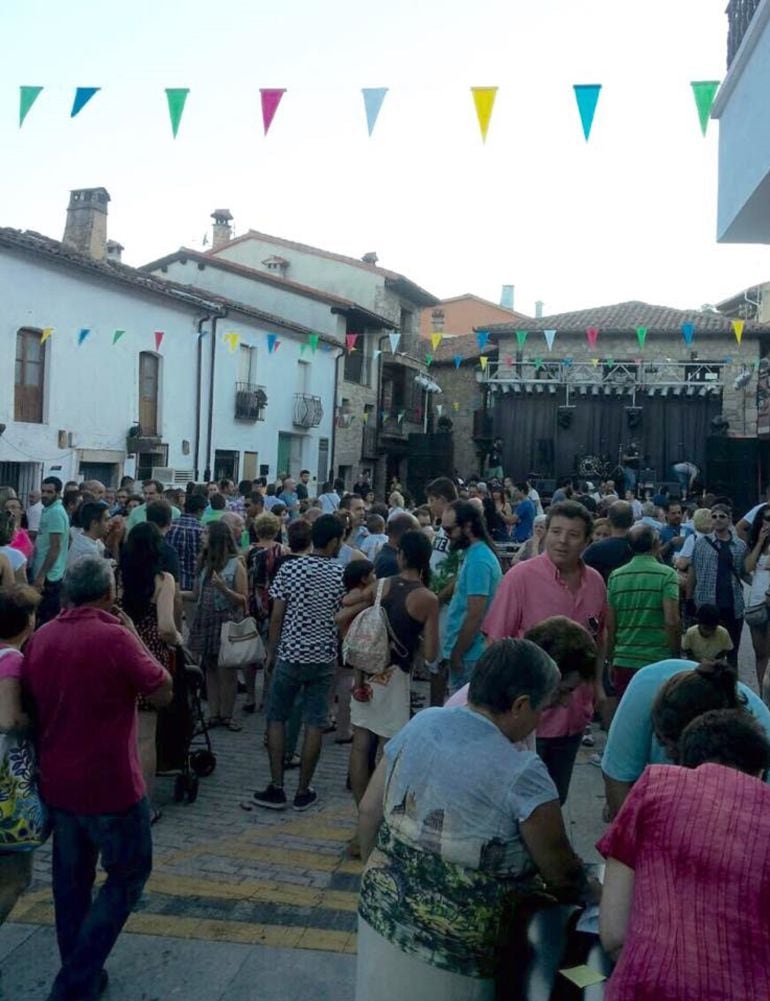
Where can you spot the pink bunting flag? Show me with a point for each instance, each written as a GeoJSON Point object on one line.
{"type": "Point", "coordinates": [350, 341]}
{"type": "Point", "coordinates": [508, 360]}
{"type": "Point", "coordinates": [159, 334]}
{"type": "Point", "coordinates": [592, 335]}
{"type": "Point", "coordinates": [270, 101]}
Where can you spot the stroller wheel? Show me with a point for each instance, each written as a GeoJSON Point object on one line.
{"type": "Point", "coordinates": [180, 788]}
{"type": "Point", "coordinates": [203, 762]}
{"type": "Point", "coordinates": [192, 789]}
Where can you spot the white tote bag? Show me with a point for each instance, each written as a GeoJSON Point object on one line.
{"type": "Point", "coordinates": [240, 644]}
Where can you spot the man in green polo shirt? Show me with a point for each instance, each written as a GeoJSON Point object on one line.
{"type": "Point", "coordinates": [152, 490]}
{"type": "Point", "coordinates": [51, 548]}
{"type": "Point", "coordinates": [643, 624]}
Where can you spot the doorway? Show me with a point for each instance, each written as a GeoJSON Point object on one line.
{"type": "Point", "coordinates": [149, 370]}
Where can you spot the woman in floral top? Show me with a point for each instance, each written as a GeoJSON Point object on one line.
{"type": "Point", "coordinates": [465, 823]}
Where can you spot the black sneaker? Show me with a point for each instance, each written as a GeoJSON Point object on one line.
{"type": "Point", "coordinates": [304, 800]}
{"type": "Point", "coordinates": [272, 798]}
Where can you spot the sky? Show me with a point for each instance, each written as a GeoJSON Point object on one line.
{"type": "Point", "coordinates": [629, 215]}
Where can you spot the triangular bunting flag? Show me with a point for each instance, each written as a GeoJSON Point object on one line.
{"type": "Point", "coordinates": [176, 97]}
{"type": "Point", "coordinates": [549, 338]}
{"type": "Point", "coordinates": [641, 336]}
{"type": "Point", "coordinates": [47, 331]}
{"type": "Point", "coordinates": [272, 340]}
{"type": "Point", "coordinates": [435, 340]}
{"type": "Point", "coordinates": [401, 415]}
{"type": "Point", "coordinates": [82, 335]}
{"type": "Point", "coordinates": [508, 361]}
{"type": "Point", "coordinates": [439, 409]}
{"type": "Point", "coordinates": [738, 326]}
{"type": "Point", "coordinates": [592, 335]}
{"type": "Point", "coordinates": [609, 361]}
{"type": "Point", "coordinates": [458, 360]}
{"type": "Point", "coordinates": [688, 332]}
{"type": "Point", "coordinates": [82, 96]}
{"type": "Point", "coordinates": [521, 337]}
{"type": "Point", "coordinates": [568, 362]}
{"type": "Point", "coordinates": [455, 405]}
{"type": "Point", "coordinates": [232, 340]}
{"type": "Point", "coordinates": [483, 360]}
{"type": "Point", "coordinates": [312, 340]}
{"type": "Point", "coordinates": [27, 97]}
{"type": "Point", "coordinates": [481, 339]}
{"type": "Point", "coordinates": [484, 100]}
{"type": "Point", "coordinates": [159, 335]}
{"type": "Point", "coordinates": [373, 98]}
{"type": "Point", "coordinates": [428, 360]}
{"type": "Point", "coordinates": [595, 362]}
{"type": "Point", "coordinates": [538, 364]}
{"type": "Point", "coordinates": [376, 353]}
{"type": "Point", "coordinates": [350, 342]}
{"type": "Point", "coordinates": [271, 98]}
{"type": "Point", "coordinates": [587, 96]}
{"type": "Point", "coordinates": [117, 335]}
{"type": "Point", "coordinates": [394, 339]}
{"type": "Point", "coordinates": [704, 92]}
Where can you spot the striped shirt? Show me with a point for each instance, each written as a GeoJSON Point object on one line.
{"type": "Point", "coordinates": [635, 594]}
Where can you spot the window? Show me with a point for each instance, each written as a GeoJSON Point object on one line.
{"type": "Point", "coordinates": [226, 464]}
{"type": "Point", "coordinates": [303, 377]}
{"type": "Point", "coordinates": [438, 320]}
{"type": "Point", "coordinates": [149, 371]}
{"type": "Point", "coordinates": [247, 365]}
{"type": "Point", "coordinates": [29, 387]}
{"type": "Point", "coordinates": [357, 362]}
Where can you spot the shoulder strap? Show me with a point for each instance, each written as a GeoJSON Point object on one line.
{"type": "Point", "coordinates": [717, 550]}
{"type": "Point", "coordinates": [378, 595]}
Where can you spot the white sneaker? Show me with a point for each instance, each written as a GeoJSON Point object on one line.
{"type": "Point", "coordinates": [596, 759]}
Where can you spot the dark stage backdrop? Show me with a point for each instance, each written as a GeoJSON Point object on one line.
{"type": "Point", "coordinates": [672, 429]}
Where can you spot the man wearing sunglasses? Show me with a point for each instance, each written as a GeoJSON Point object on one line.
{"type": "Point", "coordinates": [717, 572]}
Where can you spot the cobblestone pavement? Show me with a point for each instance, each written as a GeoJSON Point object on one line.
{"type": "Point", "coordinates": [227, 877]}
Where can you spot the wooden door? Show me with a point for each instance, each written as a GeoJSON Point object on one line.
{"type": "Point", "coordinates": [29, 377]}
{"type": "Point", "coordinates": [149, 365]}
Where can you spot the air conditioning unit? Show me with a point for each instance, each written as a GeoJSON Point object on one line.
{"type": "Point", "coordinates": [172, 477]}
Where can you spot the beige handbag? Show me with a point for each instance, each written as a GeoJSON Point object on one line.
{"type": "Point", "coordinates": [240, 644]}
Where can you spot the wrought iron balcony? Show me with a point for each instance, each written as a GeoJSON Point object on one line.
{"type": "Point", "coordinates": [250, 402]}
{"type": "Point", "coordinates": [739, 15]}
{"type": "Point", "coordinates": [308, 410]}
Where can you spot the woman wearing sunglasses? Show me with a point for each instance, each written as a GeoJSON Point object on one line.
{"type": "Point", "coordinates": [757, 607]}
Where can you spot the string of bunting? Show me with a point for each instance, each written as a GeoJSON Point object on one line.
{"type": "Point", "coordinates": [586, 97]}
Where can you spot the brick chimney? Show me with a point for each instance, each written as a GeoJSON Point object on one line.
{"type": "Point", "coordinates": [222, 230]}
{"type": "Point", "coordinates": [86, 228]}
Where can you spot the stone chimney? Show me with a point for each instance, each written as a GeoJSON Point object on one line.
{"type": "Point", "coordinates": [86, 228]}
{"type": "Point", "coordinates": [539, 309]}
{"type": "Point", "coordinates": [370, 257]}
{"type": "Point", "coordinates": [223, 231]}
{"type": "Point", "coordinates": [506, 297]}
{"type": "Point", "coordinates": [115, 251]}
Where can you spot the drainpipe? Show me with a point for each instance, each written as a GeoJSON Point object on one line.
{"type": "Point", "coordinates": [333, 449]}
{"type": "Point", "coordinates": [214, 318]}
{"type": "Point", "coordinates": [198, 374]}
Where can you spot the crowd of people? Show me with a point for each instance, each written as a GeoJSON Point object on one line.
{"type": "Point", "coordinates": [531, 619]}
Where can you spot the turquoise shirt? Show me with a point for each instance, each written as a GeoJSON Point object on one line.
{"type": "Point", "coordinates": [53, 521]}
{"type": "Point", "coordinates": [479, 576]}
{"type": "Point", "coordinates": [631, 742]}
{"type": "Point", "coordinates": [139, 514]}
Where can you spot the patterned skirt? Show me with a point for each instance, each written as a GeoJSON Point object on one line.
{"type": "Point", "coordinates": [206, 629]}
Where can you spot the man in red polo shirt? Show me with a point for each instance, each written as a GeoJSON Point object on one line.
{"type": "Point", "coordinates": [557, 583]}
{"type": "Point", "coordinates": [84, 671]}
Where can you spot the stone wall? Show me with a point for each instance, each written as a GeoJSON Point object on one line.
{"type": "Point", "coordinates": [459, 385]}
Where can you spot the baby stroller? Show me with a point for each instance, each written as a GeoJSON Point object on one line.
{"type": "Point", "coordinates": [183, 742]}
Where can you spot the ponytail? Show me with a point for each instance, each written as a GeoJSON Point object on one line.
{"type": "Point", "coordinates": [416, 550]}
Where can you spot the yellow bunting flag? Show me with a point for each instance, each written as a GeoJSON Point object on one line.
{"type": "Point", "coordinates": [484, 99]}
{"type": "Point", "coordinates": [47, 331]}
{"type": "Point", "coordinates": [738, 326]}
{"type": "Point", "coordinates": [232, 340]}
{"type": "Point", "coordinates": [483, 362]}
{"type": "Point", "coordinates": [435, 339]}
{"type": "Point", "coordinates": [455, 405]}
{"type": "Point", "coordinates": [595, 362]}
{"type": "Point", "coordinates": [365, 417]}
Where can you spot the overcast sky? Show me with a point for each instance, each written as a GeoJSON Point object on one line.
{"type": "Point", "coordinates": [629, 215]}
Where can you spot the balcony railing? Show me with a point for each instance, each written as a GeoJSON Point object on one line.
{"type": "Point", "coordinates": [739, 15]}
{"type": "Point", "coordinates": [308, 410]}
{"type": "Point", "coordinates": [250, 402]}
{"type": "Point", "coordinates": [395, 421]}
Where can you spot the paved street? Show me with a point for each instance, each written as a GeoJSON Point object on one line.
{"type": "Point", "coordinates": [244, 904]}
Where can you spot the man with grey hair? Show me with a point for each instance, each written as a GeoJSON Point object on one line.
{"type": "Point", "coordinates": [84, 671]}
{"type": "Point", "coordinates": [607, 555]}
{"type": "Point", "coordinates": [643, 610]}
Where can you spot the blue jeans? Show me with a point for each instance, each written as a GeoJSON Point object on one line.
{"type": "Point", "coordinates": [87, 929]}
{"type": "Point", "coordinates": [313, 681]}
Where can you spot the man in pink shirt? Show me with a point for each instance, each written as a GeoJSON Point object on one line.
{"type": "Point", "coordinates": [84, 671]}
{"type": "Point", "coordinates": [557, 583]}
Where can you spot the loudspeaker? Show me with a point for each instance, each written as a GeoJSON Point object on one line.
{"type": "Point", "coordinates": [564, 417]}
{"type": "Point", "coordinates": [634, 417]}
{"type": "Point", "coordinates": [731, 470]}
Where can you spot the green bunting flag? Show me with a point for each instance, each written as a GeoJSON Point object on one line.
{"type": "Point", "coordinates": [312, 340]}
{"type": "Point", "coordinates": [704, 92]}
{"type": "Point", "coordinates": [641, 336]}
{"type": "Point", "coordinates": [176, 97]}
{"type": "Point", "coordinates": [117, 335]}
{"type": "Point", "coordinates": [521, 338]}
{"type": "Point", "coordinates": [27, 97]}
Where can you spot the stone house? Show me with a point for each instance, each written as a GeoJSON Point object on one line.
{"type": "Point", "coordinates": [460, 314]}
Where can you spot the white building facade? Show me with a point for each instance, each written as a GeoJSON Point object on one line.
{"type": "Point", "coordinates": [105, 371]}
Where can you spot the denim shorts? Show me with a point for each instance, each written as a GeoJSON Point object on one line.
{"type": "Point", "coordinates": [315, 681]}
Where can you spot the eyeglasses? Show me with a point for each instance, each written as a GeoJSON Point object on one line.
{"type": "Point", "coordinates": [720, 517]}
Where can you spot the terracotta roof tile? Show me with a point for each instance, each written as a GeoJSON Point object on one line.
{"type": "Point", "coordinates": [625, 317]}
